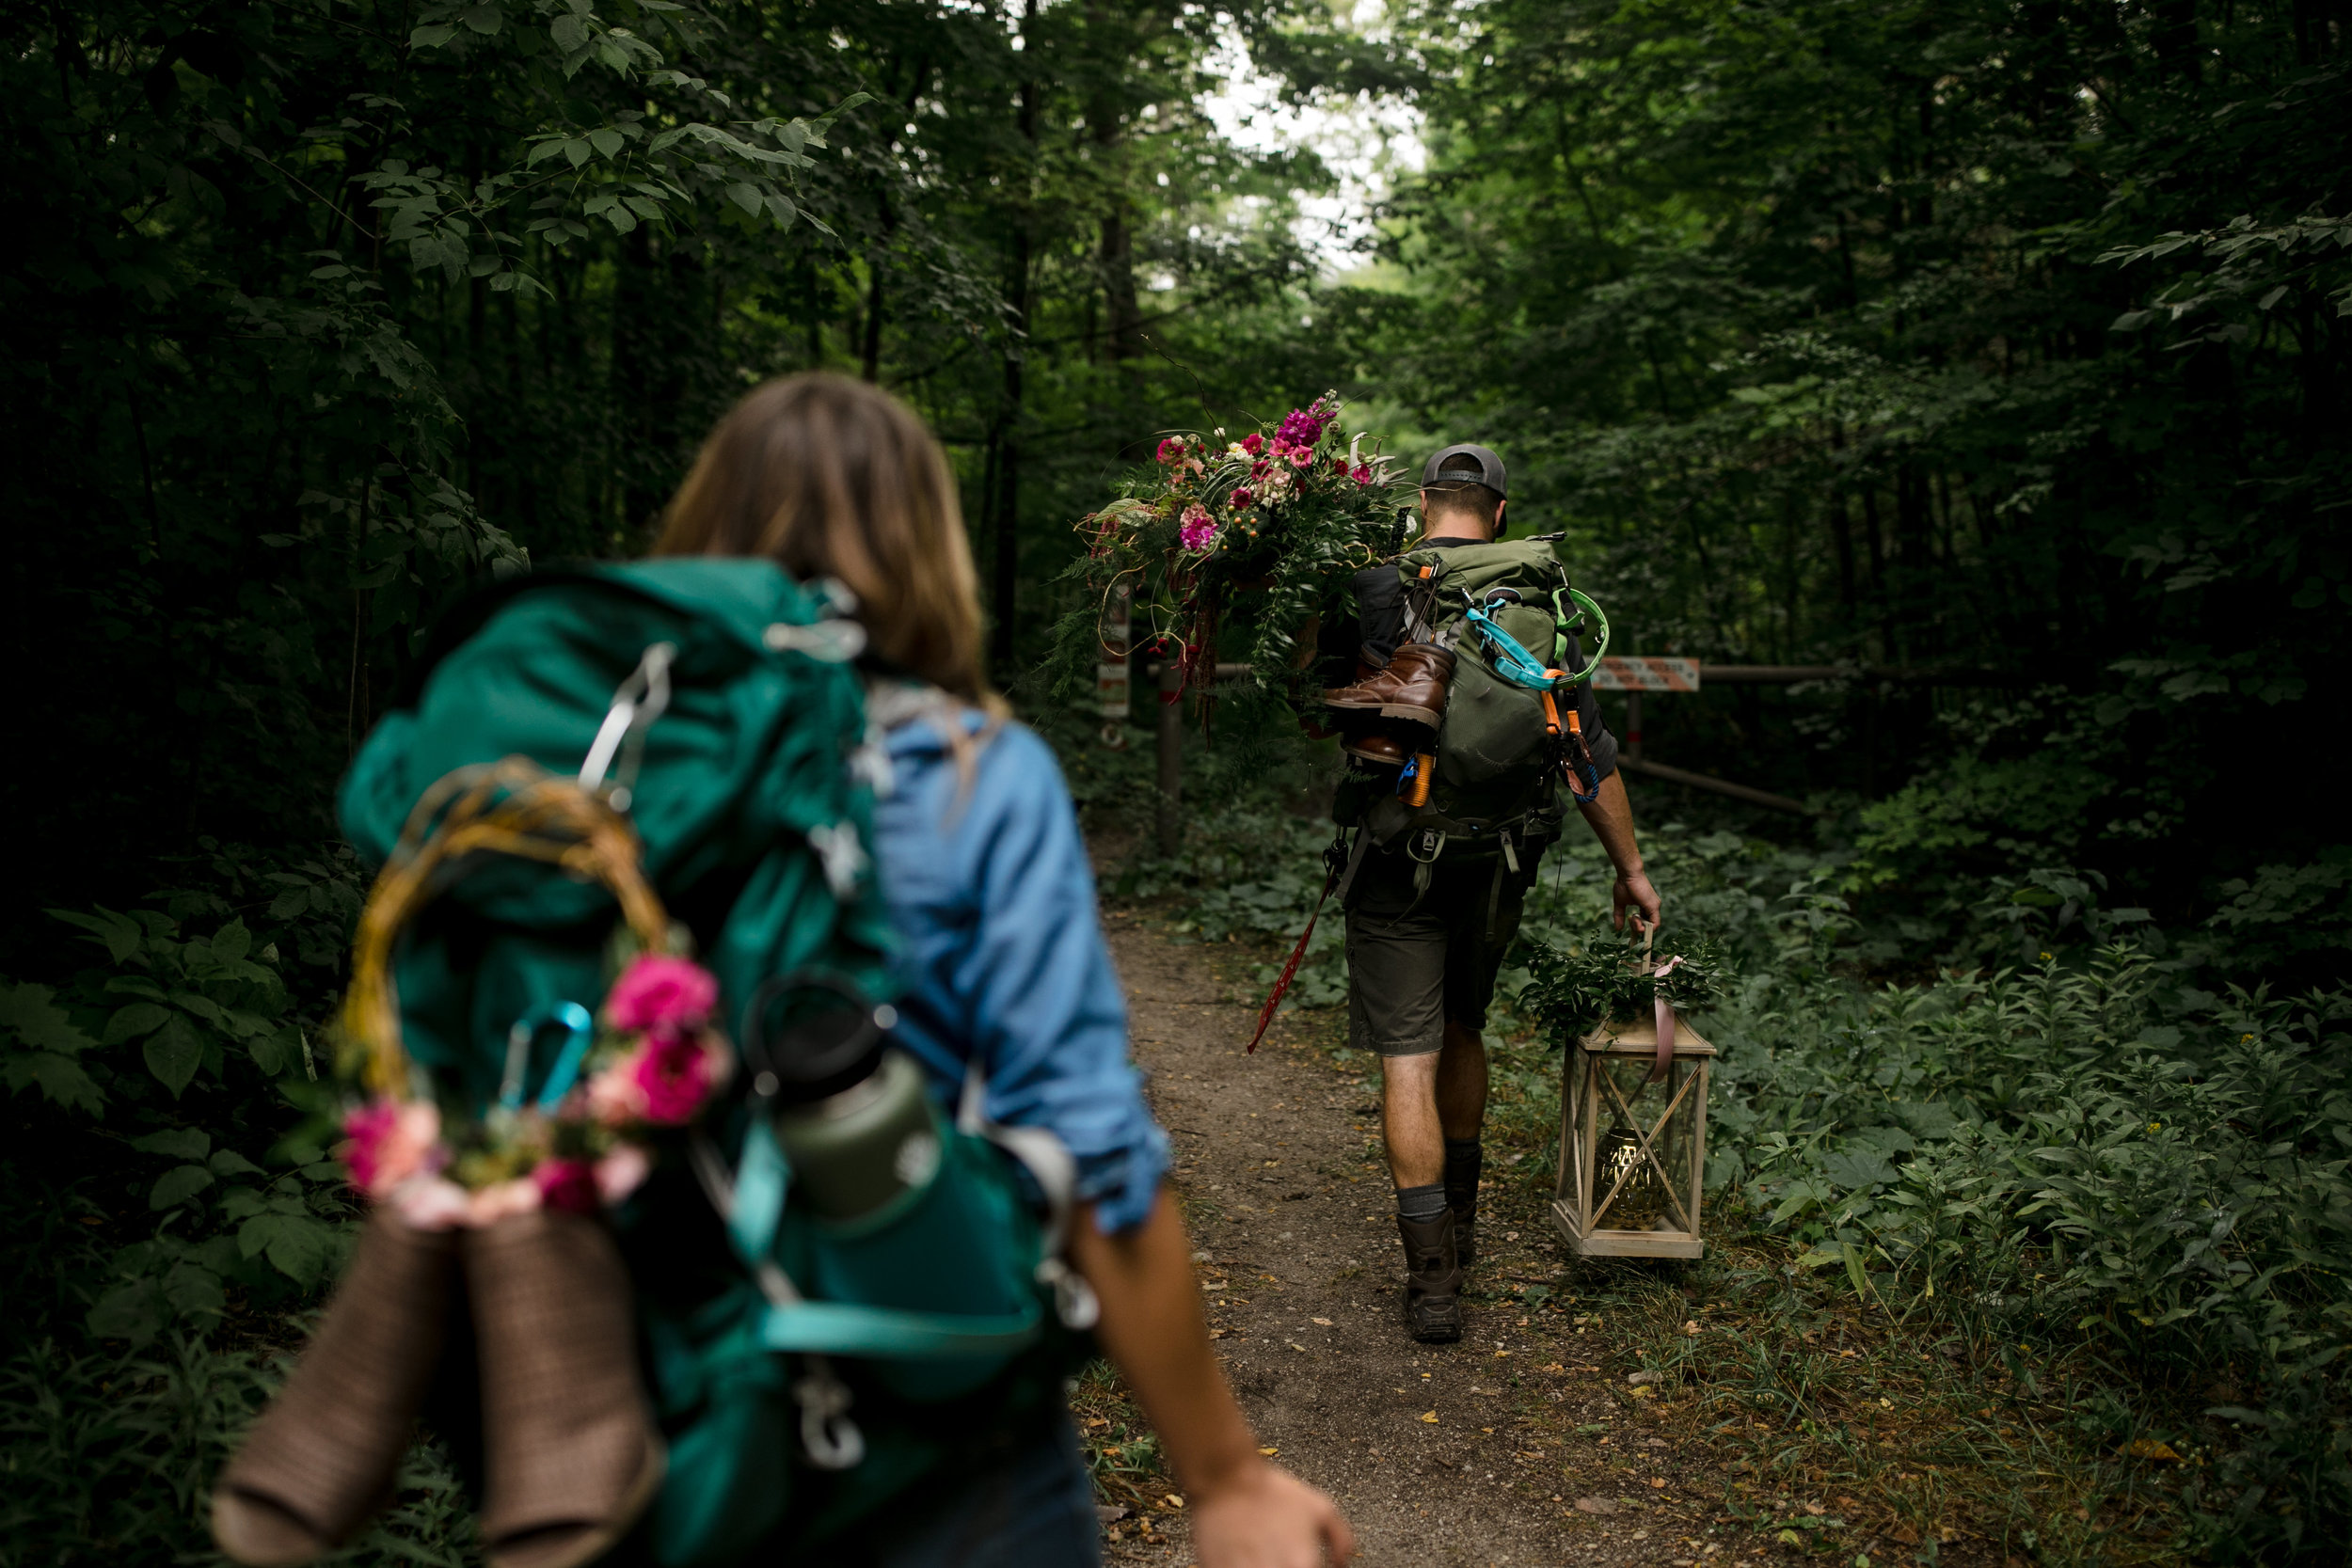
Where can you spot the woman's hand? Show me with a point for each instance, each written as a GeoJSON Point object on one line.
{"type": "Point", "coordinates": [1265, 1518]}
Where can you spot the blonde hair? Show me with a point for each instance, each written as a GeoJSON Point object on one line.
{"type": "Point", "coordinates": [831, 477]}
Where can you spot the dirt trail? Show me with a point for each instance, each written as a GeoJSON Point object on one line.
{"type": "Point", "coordinates": [1473, 1453]}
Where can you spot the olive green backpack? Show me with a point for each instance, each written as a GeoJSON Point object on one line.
{"type": "Point", "coordinates": [1508, 611]}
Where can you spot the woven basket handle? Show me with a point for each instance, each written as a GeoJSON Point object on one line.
{"type": "Point", "coordinates": [513, 807]}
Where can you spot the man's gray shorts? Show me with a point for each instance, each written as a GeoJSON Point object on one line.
{"type": "Point", "coordinates": [1413, 968]}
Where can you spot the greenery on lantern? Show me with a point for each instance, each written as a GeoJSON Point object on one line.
{"type": "Point", "coordinates": [1572, 990]}
{"type": "Point", "coordinates": [1214, 530]}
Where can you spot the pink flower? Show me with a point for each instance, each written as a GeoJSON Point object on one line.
{"type": "Point", "coordinates": [1302, 457]}
{"type": "Point", "coordinates": [567, 1184]}
{"type": "Point", "coordinates": [1361, 473]}
{"type": "Point", "coordinates": [431, 1203]}
{"type": "Point", "coordinates": [1253, 443]}
{"type": "Point", "coordinates": [622, 1172]}
{"type": "Point", "coordinates": [1198, 531]}
{"type": "Point", "coordinates": [389, 1141]}
{"type": "Point", "coordinates": [1171, 449]}
{"type": "Point", "coordinates": [657, 991]}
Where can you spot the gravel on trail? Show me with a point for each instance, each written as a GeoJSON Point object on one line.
{"type": "Point", "coordinates": [1521, 1445]}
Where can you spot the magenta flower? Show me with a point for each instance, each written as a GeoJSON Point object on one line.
{"type": "Point", "coordinates": [1361, 473]}
{"type": "Point", "coordinates": [662, 1082]}
{"type": "Point", "coordinates": [1253, 443]}
{"type": "Point", "coordinates": [1198, 531]}
{"type": "Point", "coordinates": [672, 1076]}
{"type": "Point", "coordinates": [1304, 427]}
{"type": "Point", "coordinates": [569, 1185]}
{"type": "Point", "coordinates": [1171, 449]}
{"type": "Point", "coordinates": [389, 1141]}
{"type": "Point", "coordinates": [1257, 469]}
{"type": "Point", "coordinates": [1242, 496]}
{"type": "Point", "coordinates": [657, 990]}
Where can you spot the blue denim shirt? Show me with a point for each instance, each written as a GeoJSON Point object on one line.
{"type": "Point", "coordinates": [1004, 961]}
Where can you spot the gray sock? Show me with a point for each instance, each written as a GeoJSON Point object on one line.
{"type": "Point", "coordinates": [1420, 1204]}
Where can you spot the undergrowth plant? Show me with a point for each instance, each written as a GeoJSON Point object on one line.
{"type": "Point", "coordinates": [2119, 1151]}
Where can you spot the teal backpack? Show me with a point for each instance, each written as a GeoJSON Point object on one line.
{"type": "Point", "coordinates": [804, 1370]}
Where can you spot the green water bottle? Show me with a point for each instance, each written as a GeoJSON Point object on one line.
{"type": "Point", "coordinates": [867, 1150]}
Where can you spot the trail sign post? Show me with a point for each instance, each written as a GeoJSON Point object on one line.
{"type": "Point", "coordinates": [1111, 670]}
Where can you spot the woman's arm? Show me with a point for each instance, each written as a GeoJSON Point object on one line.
{"type": "Point", "coordinates": [1245, 1512]}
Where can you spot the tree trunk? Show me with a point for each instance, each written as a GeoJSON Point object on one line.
{"type": "Point", "coordinates": [1006, 584]}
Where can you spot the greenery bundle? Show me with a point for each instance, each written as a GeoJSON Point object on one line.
{"type": "Point", "coordinates": [1213, 529]}
{"type": "Point", "coordinates": [1572, 990]}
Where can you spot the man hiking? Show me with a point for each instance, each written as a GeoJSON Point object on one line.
{"type": "Point", "coordinates": [1447, 848]}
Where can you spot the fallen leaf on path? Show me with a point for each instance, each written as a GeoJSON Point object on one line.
{"type": "Point", "coordinates": [1595, 1505]}
{"type": "Point", "coordinates": [1269, 1453]}
{"type": "Point", "coordinates": [2150, 1447]}
{"type": "Point", "coordinates": [1431, 1418]}
{"type": "Point", "coordinates": [1320, 1323]}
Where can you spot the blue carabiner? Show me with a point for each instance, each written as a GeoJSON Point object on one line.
{"type": "Point", "coordinates": [580, 1028]}
{"type": "Point", "coordinates": [1512, 661]}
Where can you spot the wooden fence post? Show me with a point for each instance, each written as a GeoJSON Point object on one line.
{"type": "Point", "coordinates": [1171, 754]}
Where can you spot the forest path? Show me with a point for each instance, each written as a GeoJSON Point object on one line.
{"type": "Point", "coordinates": [1529, 1458]}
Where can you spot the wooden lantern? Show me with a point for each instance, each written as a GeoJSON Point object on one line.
{"type": "Point", "coordinates": [1632, 1150]}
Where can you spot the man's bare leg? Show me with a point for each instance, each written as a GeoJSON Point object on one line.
{"type": "Point", "coordinates": [1410, 1089]}
{"type": "Point", "coordinates": [1426, 1100]}
{"type": "Point", "coordinates": [1408, 1118]}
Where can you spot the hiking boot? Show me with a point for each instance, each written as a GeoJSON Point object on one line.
{"type": "Point", "coordinates": [571, 1455]}
{"type": "Point", "coordinates": [1465, 1232]}
{"type": "Point", "coordinates": [322, 1460]}
{"type": "Point", "coordinates": [1375, 746]}
{"type": "Point", "coordinates": [1411, 685]}
{"type": "Point", "coordinates": [1433, 1279]}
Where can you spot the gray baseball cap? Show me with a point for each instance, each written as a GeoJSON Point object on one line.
{"type": "Point", "coordinates": [1489, 473]}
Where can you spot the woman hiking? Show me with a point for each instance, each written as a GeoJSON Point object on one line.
{"type": "Point", "coordinates": [1004, 972]}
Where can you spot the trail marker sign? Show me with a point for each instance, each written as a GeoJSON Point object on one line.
{"type": "Point", "coordinates": [1646, 674]}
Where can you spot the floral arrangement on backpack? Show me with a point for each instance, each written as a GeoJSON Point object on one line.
{"type": "Point", "coordinates": [1215, 530]}
{"type": "Point", "coordinates": [656, 1061]}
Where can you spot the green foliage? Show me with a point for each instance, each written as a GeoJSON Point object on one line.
{"type": "Point", "coordinates": [1572, 990]}
{"type": "Point", "coordinates": [111, 1458]}
{"type": "Point", "coordinates": [2006, 342]}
